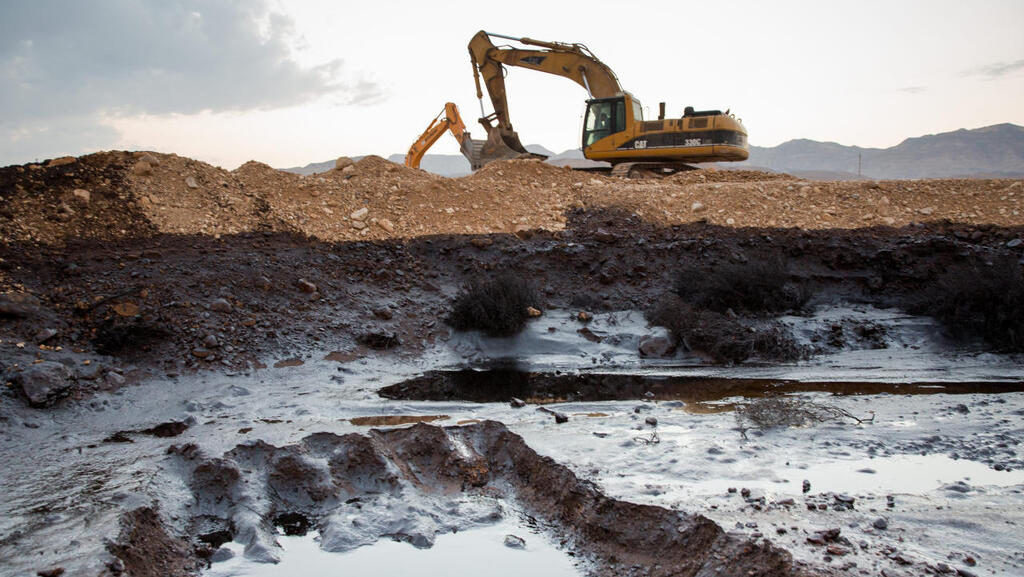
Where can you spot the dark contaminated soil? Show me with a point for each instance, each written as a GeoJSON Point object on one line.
{"type": "Point", "coordinates": [328, 479]}
{"type": "Point", "coordinates": [499, 385]}
{"type": "Point", "coordinates": [179, 303]}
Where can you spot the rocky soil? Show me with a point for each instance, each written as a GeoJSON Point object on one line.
{"type": "Point", "coordinates": [127, 195]}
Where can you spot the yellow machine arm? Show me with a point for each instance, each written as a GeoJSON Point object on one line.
{"type": "Point", "coordinates": [447, 120]}
{"type": "Point", "coordinates": [573, 61]}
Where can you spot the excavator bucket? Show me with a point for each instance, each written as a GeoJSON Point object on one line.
{"type": "Point", "coordinates": [500, 145]}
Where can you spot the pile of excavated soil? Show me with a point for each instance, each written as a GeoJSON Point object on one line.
{"type": "Point", "coordinates": [131, 194]}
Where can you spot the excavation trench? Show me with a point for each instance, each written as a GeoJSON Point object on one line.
{"type": "Point", "coordinates": [501, 385]}
{"type": "Point", "coordinates": [417, 483]}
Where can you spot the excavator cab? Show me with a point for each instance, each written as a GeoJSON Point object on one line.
{"type": "Point", "coordinates": [607, 116]}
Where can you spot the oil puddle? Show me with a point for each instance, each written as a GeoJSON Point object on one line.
{"type": "Point", "coordinates": [395, 420]}
{"type": "Point", "coordinates": [904, 474]}
{"type": "Point", "coordinates": [501, 385]}
{"type": "Point", "coordinates": [475, 551]}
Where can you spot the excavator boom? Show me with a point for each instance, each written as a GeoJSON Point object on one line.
{"type": "Point", "coordinates": [573, 61]}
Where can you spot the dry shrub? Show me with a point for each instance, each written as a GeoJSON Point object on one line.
{"type": "Point", "coordinates": [496, 306]}
{"type": "Point", "coordinates": [758, 286]}
{"type": "Point", "coordinates": [723, 338]}
{"type": "Point", "coordinates": [769, 412]}
{"type": "Point", "coordinates": [979, 300]}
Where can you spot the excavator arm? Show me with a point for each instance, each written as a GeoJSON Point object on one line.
{"type": "Point", "coordinates": [572, 61]}
{"type": "Point", "coordinates": [448, 120]}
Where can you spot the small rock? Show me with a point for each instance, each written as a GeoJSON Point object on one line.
{"type": "Point", "coordinates": [383, 313]}
{"type": "Point", "coordinates": [652, 421]}
{"type": "Point", "coordinates": [114, 379]}
{"type": "Point", "coordinates": [150, 159]}
{"type": "Point", "coordinates": [190, 182]}
{"type": "Point", "coordinates": [62, 161]}
{"type": "Point", "coordinates": [517, 403]}
{"type": "Point", "coordinates": [82, 194]}
{"type": "Point", "coordinates": [659, 344]}
{"type": "Point", "coordinates": [45, 334]}
{"type": "Point", "coordinates": [201, 353]}
{"type": "Point", "coordinates": [379, 340]}
{"type": "Point", "coordinates": [343, 162]}
{"type": "Point", "coordinates": [360, 214]}
{"type": "Point", "coordinates": [358, 224]}
{"type": "Point", "coordinates": [880, 523]}
{"type": "Point", "coordinates": [961, 572]}
{"type": "Point", "coordinates": [55, 572]}
{"type": "Point", "coordinates": [1014, 243]}
{"type": "Point", "coordinates": [962, 409]}
{"type": "Point", "coordinates": [305, 286]}
{"type": "Point", "coordinates": [18, 304]}
{"type": "Point", "coordinates": [584, 317]}
{"type": "Point", "coordinates": [807, 486]}
{"type": "Point", "coordinates": [210, 342]}
{"type": "Point", "coordinates": [697, 206]}
{"type": "Point", "coordinates": [561, 417]}
{"type": "Point", "coordinates": [514, 542]}
{"type": "Point", "coordinates": [532, 312]}
{"type": "Point", "coordinates": [221, 555]}
{"type": "Point", "coordinates": [43, 383]}
{"type": "Point", "coordinates": [221, 306]}
{"type": "Point", "coordinates": [386, 225]}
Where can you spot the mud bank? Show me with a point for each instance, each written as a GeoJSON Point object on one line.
{"type": "Point", "coordinates": [355, 489]}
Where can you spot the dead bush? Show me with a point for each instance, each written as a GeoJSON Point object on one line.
{"type": "Point", "coordinates": [497, 306]}
{"type": "Point", "coordinates": [757, 286]}
{"type": "Point", "coordinates": [723, 338]}
{"type": "Point", "coordinates": [979, 300]}
{"type": "Point", "coordinates": [769, 412]}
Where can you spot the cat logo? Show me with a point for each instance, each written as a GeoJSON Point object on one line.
{"type": "Point", "coordinates": [640, 144]}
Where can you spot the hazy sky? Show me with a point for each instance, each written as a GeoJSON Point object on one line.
{"type": "Point", "coordinates": [293, 82]}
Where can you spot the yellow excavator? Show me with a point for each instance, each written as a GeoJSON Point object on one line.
{"type": "Point", "coordinates": [614, 128]}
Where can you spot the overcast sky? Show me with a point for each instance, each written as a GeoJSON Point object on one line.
{"type": "Point", "coordinates": [293, 82]}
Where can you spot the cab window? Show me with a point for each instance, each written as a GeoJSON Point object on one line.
{"type": "Point", "coordinates": [598, 123]}
{"type": "Point", "coordinates": [638, 112]}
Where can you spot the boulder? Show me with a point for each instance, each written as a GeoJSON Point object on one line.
{"type": "Point", "coordinates": [45, 382]}
{"type": "Point", "coordinates": [343, 162]}
{"type": "Point", "coordinates": [18, 304]}
{"type": "Point", "coordinates": [659, 343]}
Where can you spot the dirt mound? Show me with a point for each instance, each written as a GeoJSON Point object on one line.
{"type": "Point", "coordinates": [415, 483]}
{"type": "Point", "coordinates": [131, 194]}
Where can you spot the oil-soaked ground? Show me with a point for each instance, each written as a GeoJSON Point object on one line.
{"type": "Point", "coordinates": [502, 385]}
{"type": "Point", "coordinates": [211, 403]}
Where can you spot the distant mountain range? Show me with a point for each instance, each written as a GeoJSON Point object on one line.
{"type": "Point", "coordinates": [992, 151]}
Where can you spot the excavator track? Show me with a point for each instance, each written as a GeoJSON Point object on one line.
{"type": "Point", "coordinates": [628, 169]}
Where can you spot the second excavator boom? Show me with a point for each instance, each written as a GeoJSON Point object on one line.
{"type": "Point", "coordinates": [449, 120]}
